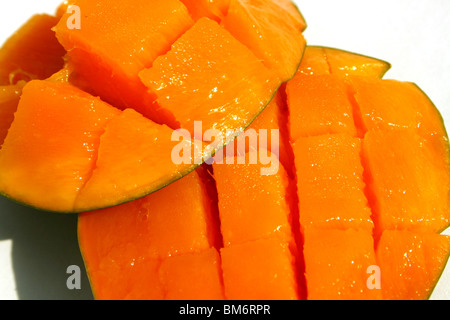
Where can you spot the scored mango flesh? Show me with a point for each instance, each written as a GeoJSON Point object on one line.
{"type": "Point", "coordinates": [314, 229]}
{"type": "Point", "coordinates": [160, 67]}
{"type": "Point", "coordinates": [361, 182]}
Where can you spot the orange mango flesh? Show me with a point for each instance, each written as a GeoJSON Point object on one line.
{"type": "Point", "coordinates": [251, 206]}
{"type": "Point", "coordinates": [346, 63]}
{"type": "Point", "coordinates": [183, 45]}
{"type": "Point", "coordinates": [320, 100]}
{"type": "Point", "coordinates": [336, 251]}
{"type": "Point", "coordinates": [406, 198]}
{"type": "Point", "coordinates": [129, 34]}
{"type": "Point", "coordinates": [401, 133]}
{"type": "Point", "coordinates": [382, 104]}
{"type": "Point", "coordinates": [330, 183]}
{"type": "Point", "coordinates": [73, 160]}
{"type": "Point", "coordinates": [9, 100]}
{"type": "Point", "coordinates": [116, 41]}
{"type": "Point", "coordinates": [319, 105]}
{"type": "Point", "coordinates": [56, 154]}
{"type": "Point", "coordinates": [255, 218]}
{"type": "Point", "coordinates": [284, 117]}
{"type": "Point", "coordinates": [405, 137]}
{"type": "Point", "coordinates": [268, 120]}
{"type": "Point", "coordinates": [324, 60]}
{"type": "Point", "coordinates": [270, 31]}
{"type": "Point", "coordinates": [334, 216]}
{"type": "Point", "coordinates": [32, 52]}
{"type": "Point", "coordinates": [265, 133]}
{"type": "Point", "coordinates": [249, 273]}
{"type": "Point", "coordinates": [392, 191]}
{"type": "Point", "coordinates": [63, 7]}
{"type": "Point", "coordinates": [411, 263]}
{"type": "Point", "coordinates": [406, 157]}
{"type": "Point", "coordinates": [183, 203]}
{"type": "Point", "coordinates": [314, 62]}
{"type": "Point", "coordinates": [407, 171]}
{"type": "Point", "coordinates": [120, 279]}
{"type": "Point", "coordinates": [139, 152]}
{"type": "Point", "coordinates": [109, 56]}
{"type": "Point", "coordinates": [196, 274]}
{"type": "Point", "coordinates": [337, 263]}
{"type": "Point", "coordinates": [193, 276]}
{"type": "Point", "coordinates": [212, 9]}
{"type": "Point", "coordinates": [294, 13]}
{"type": "Point", "coordinates": [122, 243]}
{"type": "Point", "coordinates": [329, 178]}
{"type": "Point", "coordinates": [217, 73]}
{"type": "Point", "coordinates": [144, 280]}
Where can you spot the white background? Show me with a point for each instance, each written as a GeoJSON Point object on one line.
{"type": "Point", "coordinates": [413, 35]}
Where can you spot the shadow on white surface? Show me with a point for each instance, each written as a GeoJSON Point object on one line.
{"type": "Point", "coordinates": [43, 245]}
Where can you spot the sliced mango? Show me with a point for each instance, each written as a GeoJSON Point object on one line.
{"type": "Point", "coordinates": [268, 30]}
{"type": "Point", "coordinates": [212, 9]}
{"type": "Point", "coordinates": [131, 250]}
{"type": "Point", "coordinates": [337, 264]}
{"type": "Point", "coordinates": [249, 275]}
{"type": "Point", "coordinates": [44, 149]}
{"type": "Point", "coordinates": [9, 100]}
{"type": "Point", "coordinates": [116, 40]}
{"type": "Point", "coordinates": [409, 180]}
{"type": "Point", "coordinates": [32, 52]}
{"type": "Point", "coordinates": [239, 179]}
{"type": "Point", "coordinates": [70, 152]}
{"type": "Point", "coordinates": [205, 94]}
{"type": "Point", "coordinates": [330, 183]}
{"type": "Point", "coordinates": [160, 70]}
{"type": "Point", "coordinates": [411, 263]}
